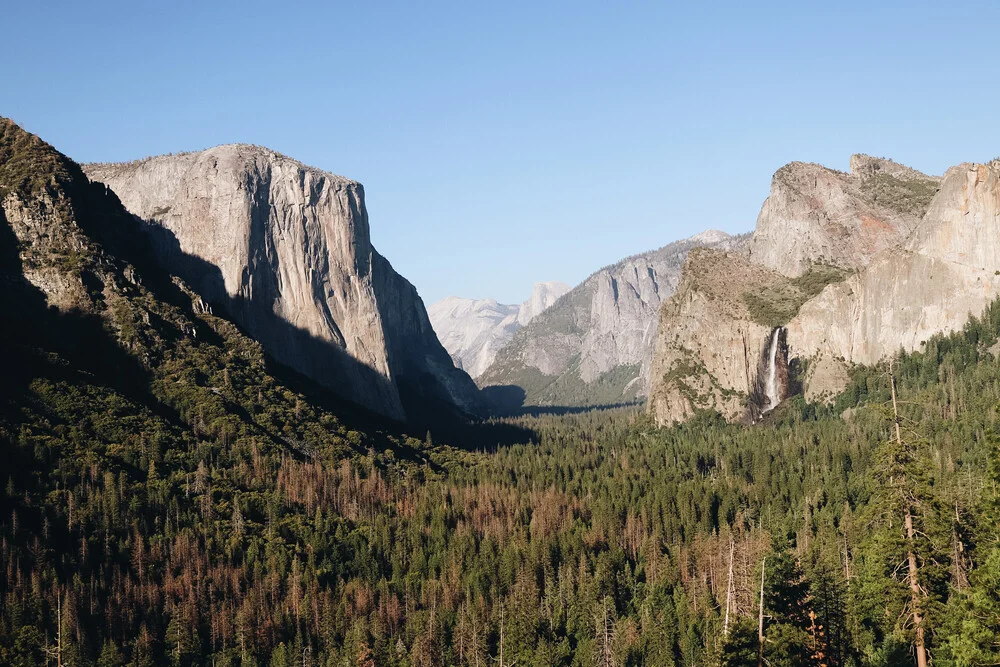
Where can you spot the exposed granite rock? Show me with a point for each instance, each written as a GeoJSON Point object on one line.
{"type": "Point", "coordinates": [948, 270]}
{"type": "Point", "coordinates": [594, 346]}
{"type": "Point", "coordinates": [900, 293]}
{"type": "Point", "coordinates": [284, 250]}
{"type": "Point", "coordinates": [45, 233]}
{"type": "Point", "coordinates": [474, 330]}
{"type": "Point", "coordinates": [816, 215]}
{"type": "Point", "coordinates": [708, 343]}
{"type": "Point", "coordinates": [542, 296]}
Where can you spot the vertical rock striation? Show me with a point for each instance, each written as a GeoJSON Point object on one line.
{"type": "Point", "coordinates": [284, 250]}
{"type": "Point", "coordinates": [594, 345]}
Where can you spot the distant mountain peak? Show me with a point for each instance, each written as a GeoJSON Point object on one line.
{"type": "Point", "coordinates": [543, 295]}
{"type": "Point", "coordinates": [473, 330]}
{"type": "Point", "coordinates": [710, 236]}
{"type": "Point", "coordinates": [594, 345]}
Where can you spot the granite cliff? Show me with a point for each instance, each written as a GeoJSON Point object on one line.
{"type": "Point", "coordinates": [947, 270]}
{"type": "Point", "coordinates": [815, 215]}
{"type": "Point", "coordinates": [708, 339]}
{"type": "Point", "coordinates": [474, 330]}
{"type": "Point", "coordinates": [284, 250]}
{"type": "Point", "coordinates": [594, 345]}
{"type": "Point", "coordinates": [876, 261]}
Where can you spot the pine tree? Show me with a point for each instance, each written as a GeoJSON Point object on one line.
{"type": "Point", "coordinates": [973, 624]}
{"type": "Point", "coordinates": [906, 554]}
{"type": "Point", "coordinates": [829, 639]}
{"type": "Point", "coordinates": [786, 606]}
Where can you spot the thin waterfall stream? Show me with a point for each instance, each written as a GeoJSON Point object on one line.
{"type": "Point", "coordinates": [772, 386]}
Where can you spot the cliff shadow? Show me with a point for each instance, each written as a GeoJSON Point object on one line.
{"type": "Point", "coordinates": [559, 410]}
{"type": "Point", "coordinates": [157, 252]}
{"type": "Point", "coordinates": [439, 418]}
{"type": "Point", "coordinates": [73, 346]}
{"type": "Point", "coordinates": [331, 379]}
{"type": "Point", "coordinates": [507, 400]}
{"type": "Point", "coordinates": [504, 399]}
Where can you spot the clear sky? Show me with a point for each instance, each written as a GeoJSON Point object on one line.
{"type": "Point", "coordinates": [503, 143]}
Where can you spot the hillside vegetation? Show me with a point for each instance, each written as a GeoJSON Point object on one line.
{"type": "Point", "coordinates": [775, 304]}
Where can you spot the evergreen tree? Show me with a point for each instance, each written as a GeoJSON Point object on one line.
{"type": "Point", "coordinates": [905, 557]}
{"type": "Point", "coordinates": [973, 621]}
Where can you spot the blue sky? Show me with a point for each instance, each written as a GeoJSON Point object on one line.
{"type": "Point", "coordinates": [502, 143]}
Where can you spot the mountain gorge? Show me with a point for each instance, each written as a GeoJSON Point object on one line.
{"type": "Point", "coordinates": [474, 330]}
{"type": "Point", "coordinates": [284, 250]}
{"type": "Point", "coordinates": [594, 345]}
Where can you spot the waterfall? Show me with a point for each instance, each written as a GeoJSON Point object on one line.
{"type": "Point", "coordinates": [771, 381]}
{"type": "Point", "coordinates": [773, 398]}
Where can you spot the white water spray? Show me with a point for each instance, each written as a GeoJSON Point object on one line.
{"type": "Point", "coordinates": [772, 384]}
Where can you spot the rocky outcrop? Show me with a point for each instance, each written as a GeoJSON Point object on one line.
{"type": "Point", "coordinates": [474, 330]}
{"type": "Point", "coordinates": [709, 341]}
{"type": "Point", "coordinates": [815, 215]}
{"type": "Point", "coordinates": [947, 271]}
{"type": "Point", "coordinates": [944, 271]}
{"type": "Point", "coordinates": [284, 250]}
{"type": "Point", "coordinates": [594, 346]}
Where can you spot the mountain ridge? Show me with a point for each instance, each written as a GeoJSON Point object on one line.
{"type": "Point", "coordinates": [593, 346]}
{"type": "Point", "coordinates": [915, 261]}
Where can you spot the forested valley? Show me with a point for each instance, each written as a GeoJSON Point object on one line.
{"type": "Point", "coordinates": [131, 536]}
{"type": "Point", "coordinates": [171, 498]}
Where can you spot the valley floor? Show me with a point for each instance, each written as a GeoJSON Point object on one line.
{"type": "Point", "coordinates": [172, 529]}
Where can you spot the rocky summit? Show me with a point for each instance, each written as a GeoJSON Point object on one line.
{"type": "Point", "coordinates": [284, 250]}
{"type": "Point", "coordinates": [815, 215]}
{"type": "Point", "coordinates": [474, 330]}
{"type": "Point", "coordinates": [594, 345]}
{"type": "Point", "coordinates": [856, 266]}
{"type": "Point", "coordinates": [947, 270]}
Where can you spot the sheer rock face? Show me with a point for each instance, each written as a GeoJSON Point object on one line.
{"type": "Point", "coordinates": [542, 296]}
{"type": "Point", "coordinates": [945, 272]}
{"type": "Point", "coordinates": [708, 342]}
{"type": "Point", "coordinates": [816, 215]}
{"type": "Point", "coordinates": [474, 330]}
{"type": "Point", "coordinates": [284, 250]}
{"type": "Point", "coordinates": [594, 345]}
